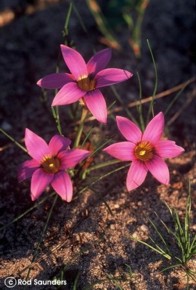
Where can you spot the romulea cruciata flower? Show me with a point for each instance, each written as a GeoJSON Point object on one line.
{"type": "Point", "coordinates": [50, 164]}
{"type": "Point", "coordinates": [147, 150]}
{"type": "Point", "coordinates": [84, 81]}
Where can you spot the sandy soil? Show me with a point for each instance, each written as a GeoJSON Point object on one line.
{"type": "Point", "coordinates": [90, 238]}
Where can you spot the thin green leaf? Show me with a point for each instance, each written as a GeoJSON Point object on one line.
{"type": "Point", "coordinates": [76, 281]}
{"type": "Point", "coordinates": [102, 177]}
{"type": "Point", "coordinates": [139, 107]}
{"type": "Point", "coordinates": [151, 109]}
{"type": "Point", "coordinates": [123, 105]}
{"type": "Point", "coordinates": [160, 235]}
{"type": "Point", "coordinates": [153, 248]}
{"type": "Point", "coordinates": [36, 250]}
{"type": "Point", "coordinates": [39, 202]}
{"type": "Point", "coordinates": [87, 136]}
{"type": "Point", "coordinates": [13, 140]}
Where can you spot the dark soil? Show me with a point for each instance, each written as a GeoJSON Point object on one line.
{"type": "Point", "coordinates": [89, 239]}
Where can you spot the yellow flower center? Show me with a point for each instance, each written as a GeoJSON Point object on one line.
{"type": "Point", "coordinates": [51, 164]}
{"type": "Point", "coordinates": [144, 151]}
{"type": "Point", "coordinates": [86, 83]}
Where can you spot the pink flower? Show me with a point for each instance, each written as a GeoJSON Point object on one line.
{"type": "Point", "coordinates": [84, 81]}
{"type": "Point", "coordinates": [49, 164]}
{"type": "Point", "coordinates": [146, 150]}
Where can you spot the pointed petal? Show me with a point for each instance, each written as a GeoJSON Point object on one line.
{"type": "Point", "coordinates": [71, 158]}
{"type": "Point", "coordinates": [154, 129]}
{"type": "Point", "coordinates": [111, 76]}
{"type": "Point", "coordinates": [95, 102]}
{"type": "Point", "coordinates": [40, 180]}
{"type": "Point", "coordinates": [74, 61]}
{"type": "Point", "coordinates": [62, 184]}
{"type": "Point", "coordinates": [54, 81]}
{"type": "Point", "coordinates": [129, 129]}
{"type": "Point", "coordinates": [158, 169]}
{"type": "Point", "coordinates": [27, 168]}
{"type": "Point", "coordinates": [136, 175]}
{"type": "Point", "coordinates": [68, 94]}
{"type": "Point", "coordinates": [121, 150]}
{"type": "Point", "coordinates": [58, 143]}
{"type": "Point", "coordinates": [168, 149]}
{"type": "Point", "coordinates": [36, 146]}
{"type": "Point", "coordinates": [99, 61]}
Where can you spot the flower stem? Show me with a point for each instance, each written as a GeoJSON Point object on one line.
{"type": "Point", "coordinates": [81, 127]}
{"type": "Point", "coordinates": [13, 140]}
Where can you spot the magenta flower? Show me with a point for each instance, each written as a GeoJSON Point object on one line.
{"type": "Point", "coordinates": [146, 150]}
{"type": "Point", "coordinates": [49, 164]}
{"type": "Point", "coordinates": [84, 81]}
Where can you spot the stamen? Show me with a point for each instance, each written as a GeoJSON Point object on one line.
{"type": "Point", "coordinates": [51, 164]}
{"type": "Point", "coordinates": [144, 151]}
{"type": "Point", "coordinates": [86, 83]}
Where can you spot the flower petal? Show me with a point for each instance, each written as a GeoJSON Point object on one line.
{"type": "Point", "coordinates": [111, 76]}
{"type": "Point", "coordinates": [62, 184]}
{"type": "Point", "coordinates": [74, 61]}
{"type": "Point", "coordinates": [99, 61]}
{"type": "Point", "coordinates": [168, 149]}
{"type": "Point", "coordinates": [71, 158]}
{"type": "Point", "coordinates": [58, 143]}
{"type": "Point", "coordinates": [27, 168]}
{"type": "Point", "coordinates": [68, 94]}
{"type": "Point", "coordinates": [154, 129]}
{"type": "Point", "coordinates": [54, 81]}
{"type": "Point", "coordinates": [40, 180]}
{"type": "Point", "coordinates": [121, 150]}
{"type": "Point", "coordinates": [136, 175]}
{"type": "Point", "coordinates": [36, 146]}
{"type": "Point", "coordinates": [129, 129]}
{"type": "Point", "coordinates": [95, 102]}
{"type": "Point", "coordinates": [158, 169]}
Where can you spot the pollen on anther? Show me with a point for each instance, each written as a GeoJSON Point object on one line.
{"type": "Point", "coordinates": [86, 83]}
{"type": "Point", "coordinates": [51, 165]}
{"type": "Point", "coordinates": [142, 152]}
{"type": "Point", "coordinates": [82, 77]}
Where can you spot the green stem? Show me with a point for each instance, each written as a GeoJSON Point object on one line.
{"type": "Point", "coordinates": [13, 140]}
{"type": "Point", "coordinates": [81, 127]}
